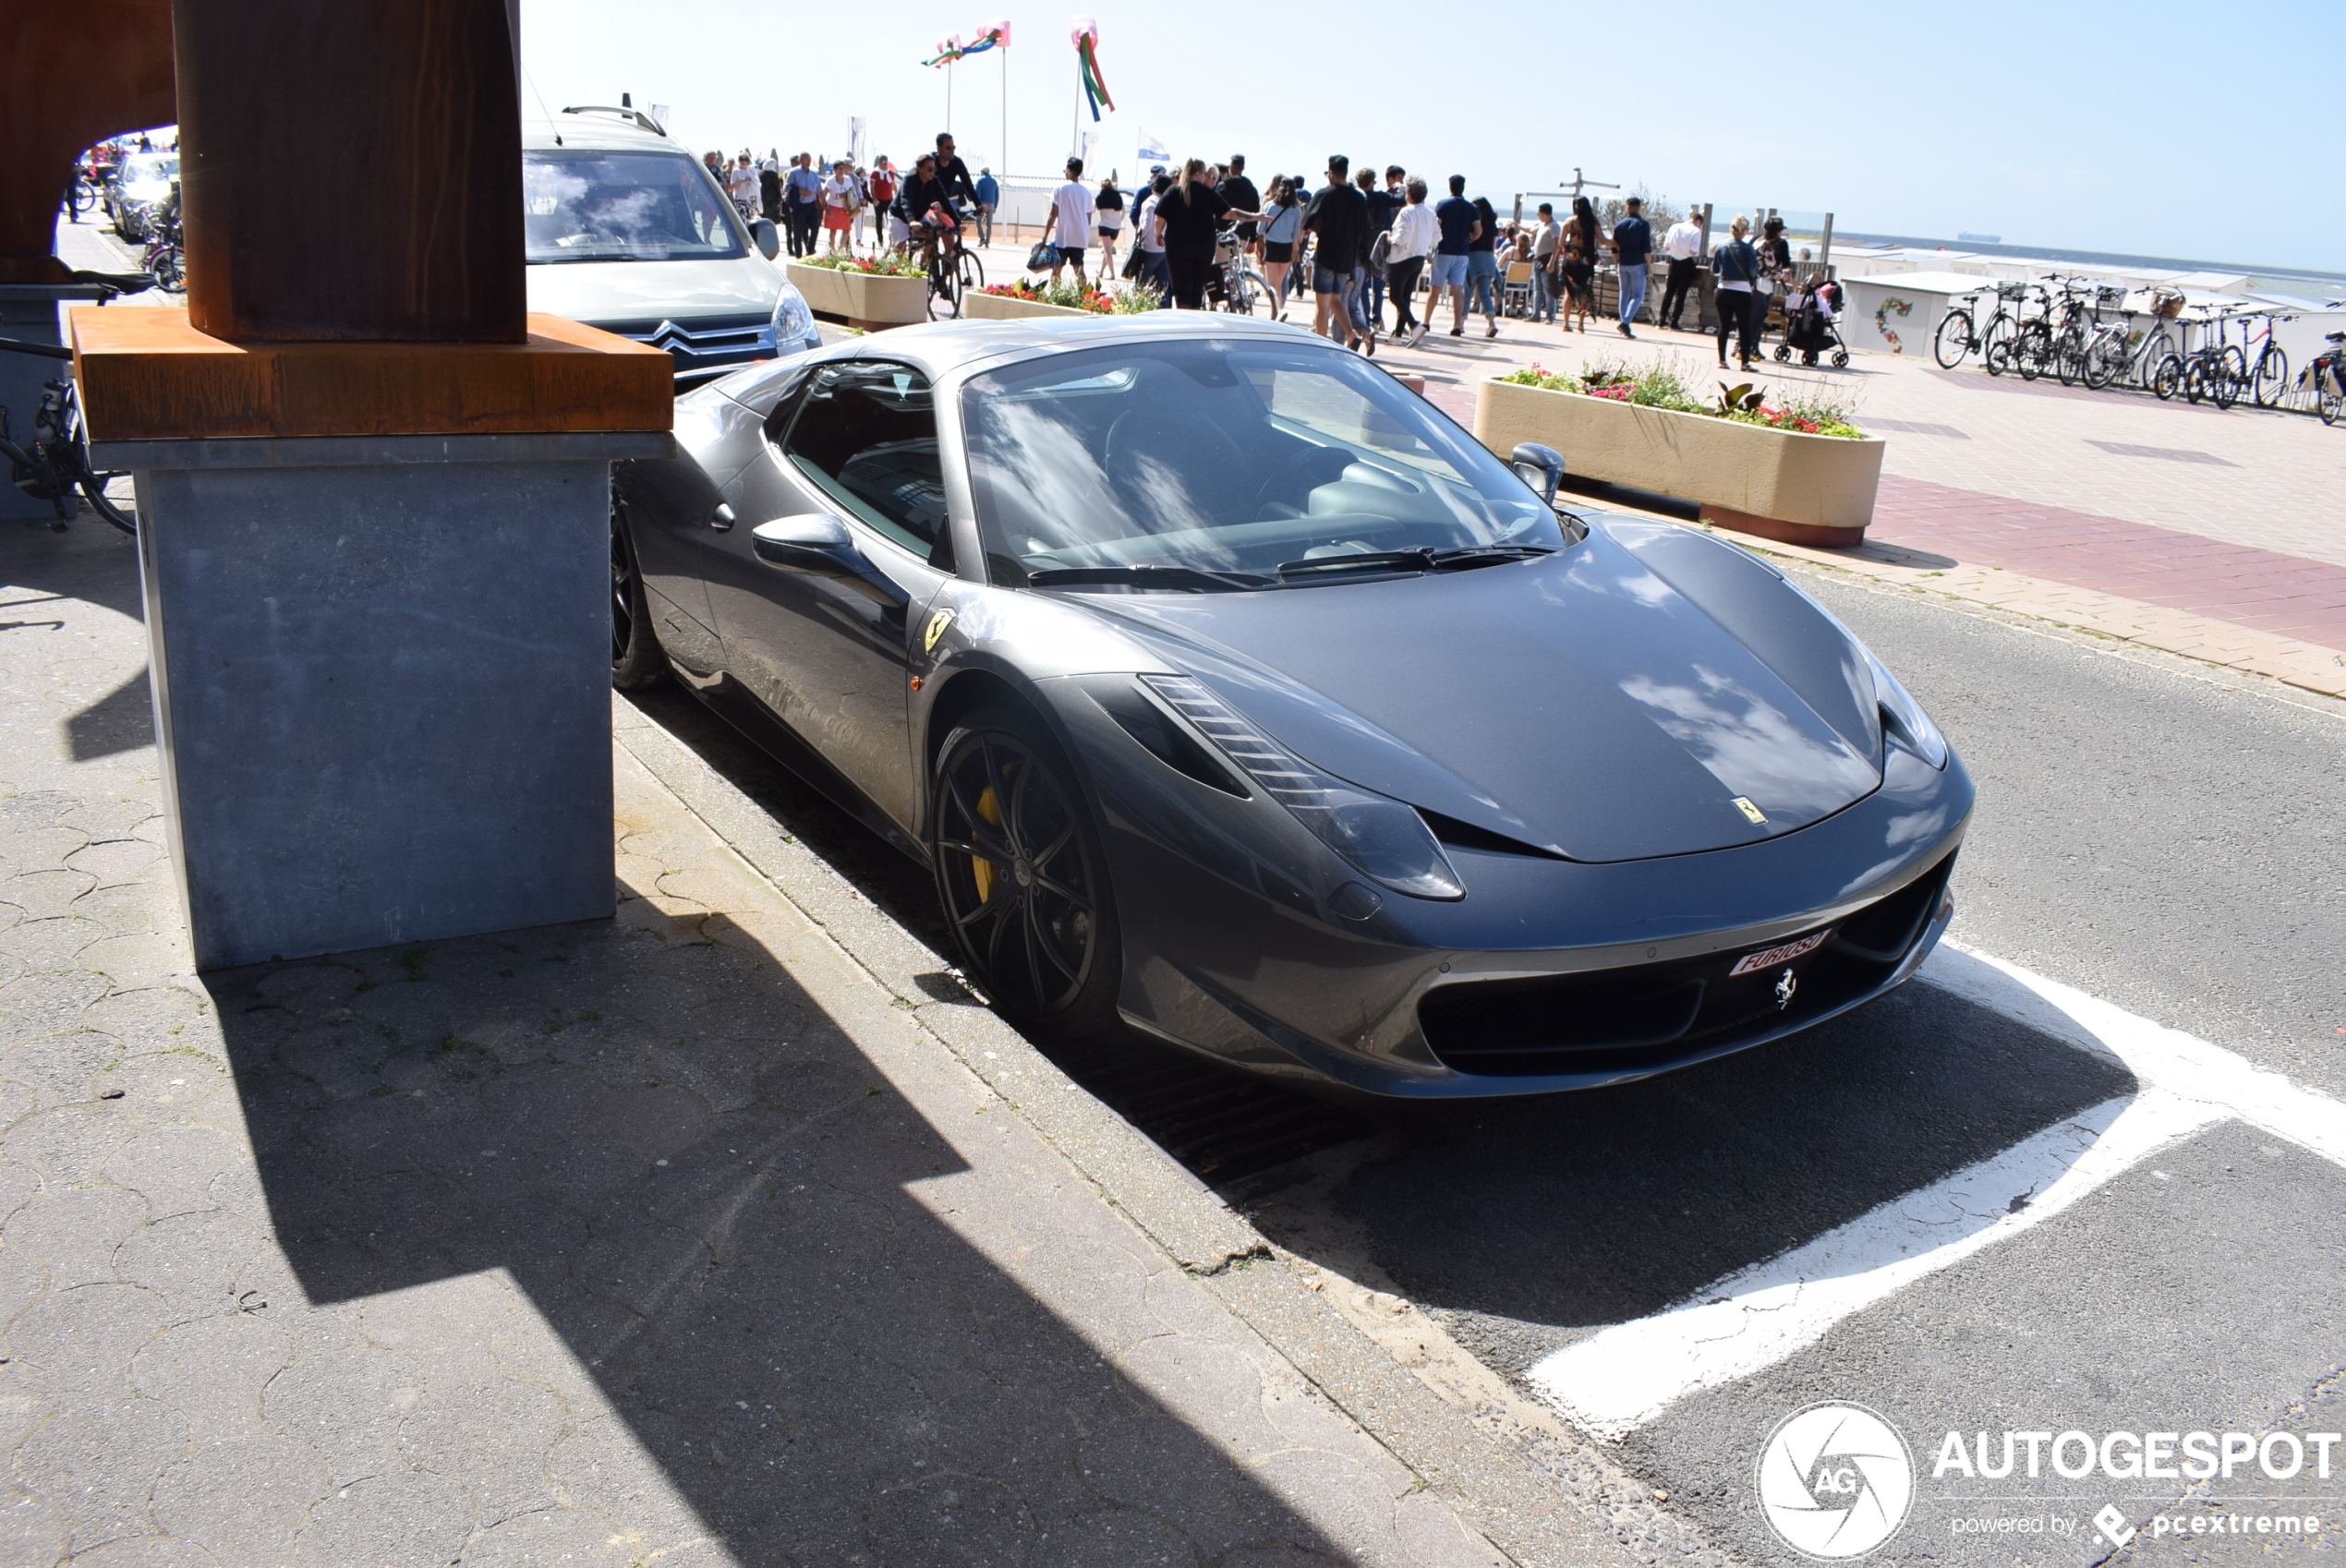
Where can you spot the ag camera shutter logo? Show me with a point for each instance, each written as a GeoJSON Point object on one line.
{"type": "Point", "coordinates": [1835, 1480]}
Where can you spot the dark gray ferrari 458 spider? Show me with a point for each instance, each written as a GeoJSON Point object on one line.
{"type": "Point", "coordinates": [1230, 690]}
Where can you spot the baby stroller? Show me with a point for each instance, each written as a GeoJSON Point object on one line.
{"type": "Point", "coordinates": [1814, 326]}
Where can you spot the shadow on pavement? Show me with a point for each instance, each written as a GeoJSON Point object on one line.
{"type": "Point", "coordinates": [704, 1186]}
{"type": "Point", "coordinates": [1531, 1223]}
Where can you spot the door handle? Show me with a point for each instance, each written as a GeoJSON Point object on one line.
{"type": "Point", "coordinates": [722, 518]}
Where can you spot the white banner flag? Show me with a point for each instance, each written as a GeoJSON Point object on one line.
{"type": "Point", "coordinates": [855, 140]}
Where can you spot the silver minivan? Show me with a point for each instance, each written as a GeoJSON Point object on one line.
{"type": "Point", "coordinates": [627, 231]}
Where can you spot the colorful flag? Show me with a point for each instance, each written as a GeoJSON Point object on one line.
{"type": "Point", "coordinates": [1087, 61]}
{"type": "Point", "coordinates": [992, 35]}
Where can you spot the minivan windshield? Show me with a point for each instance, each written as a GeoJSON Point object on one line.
{"type": "Point", "coordinates": [585, 204]}
{"type": "Point", "coordinates": [1224, 455]}
{"type": "Point", "coordinates": [158, 169]}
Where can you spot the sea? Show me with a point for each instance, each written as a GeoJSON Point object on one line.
{"type": "Point", "coordinates": [2302, 282]}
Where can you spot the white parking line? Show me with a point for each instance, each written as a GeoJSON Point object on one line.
{"type": "Point", "coordinates": [1625, 1376]}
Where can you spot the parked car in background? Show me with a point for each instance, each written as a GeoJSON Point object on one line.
{"type": "Point", "coordinates": [140, 183]}
{"type": "Point", "coordinates": [626, 231]}
{"type": "Point", "coordinates": [1231, 692]}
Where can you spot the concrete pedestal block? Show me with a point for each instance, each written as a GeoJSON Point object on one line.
{"type": "Point", "coordinates": [28, 314]}
{"type": "Point", "coordinates": [380, 674]}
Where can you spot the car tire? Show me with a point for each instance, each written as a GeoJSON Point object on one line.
{"type": "Point", "coordinates": [1034, 922]}
{"type": "Point", "coordinates": [636, 659]}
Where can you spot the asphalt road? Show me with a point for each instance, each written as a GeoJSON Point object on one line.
{"type": "Point", "coordinates": [2158, 838]}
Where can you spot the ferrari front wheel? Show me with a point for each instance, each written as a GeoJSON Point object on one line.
{"type": "Point", "coordinates": [1022, 877]}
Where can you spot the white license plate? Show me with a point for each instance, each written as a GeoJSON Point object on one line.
{"type": "Point", "coordinates": [1752, 963]}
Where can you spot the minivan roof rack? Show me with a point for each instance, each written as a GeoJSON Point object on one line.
{"type": "Point", "coordinates": [645, 121]}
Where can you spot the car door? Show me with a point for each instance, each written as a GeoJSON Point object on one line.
{"type": "Point", "coordinates": [829, 658]}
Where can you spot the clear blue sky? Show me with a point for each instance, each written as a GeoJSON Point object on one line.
{"type": "Point", "coordinates": [2049, 123]}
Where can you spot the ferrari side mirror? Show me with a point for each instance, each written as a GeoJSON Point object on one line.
{"type": "Point", "coordinates": [817, 544]}
{"type": "Point", "coordinates": [1542, 467]}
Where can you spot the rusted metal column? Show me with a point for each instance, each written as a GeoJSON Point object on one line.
{"type": "Point", "coordinates": [351, 170]}
{"type": "Point", "coordinates": [70, 75]}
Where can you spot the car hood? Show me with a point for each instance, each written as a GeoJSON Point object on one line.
{"type": "Point", "coordinates": [1584, 703]}
{"type": "Point", "coordinates": [627, 291]}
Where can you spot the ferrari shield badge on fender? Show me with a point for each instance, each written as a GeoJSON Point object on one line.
{"type": "Point", "coordinates": [935, 629]}
{"type": "Point", "coordinates": [1754, 812]}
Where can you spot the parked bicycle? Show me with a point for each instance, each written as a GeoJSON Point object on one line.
{"type": "Point", "coordinates": [2326, 376]}
{"type": "Point", "coordinates": [54, 465]}
{"type": "Point", "coordinates": [1959, 335]}
{"type": "Point", "coordinates": [2267, 365]}
{"type": "Point", "coordinates": [163, 257]}
{"type": "Point", "coordinates": [2121, 349]}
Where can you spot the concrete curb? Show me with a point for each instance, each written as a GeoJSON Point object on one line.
{"type": "Point", "coordinates": [1539, 1492]}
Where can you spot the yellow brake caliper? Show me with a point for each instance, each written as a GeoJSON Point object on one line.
{"type": "Point", "coordinates": [984, 870]}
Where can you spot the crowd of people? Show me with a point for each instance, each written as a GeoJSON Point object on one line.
{"type": "Point", "coordinates": [1356, 245]}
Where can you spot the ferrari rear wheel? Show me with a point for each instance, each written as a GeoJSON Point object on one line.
{"type": "Point", "coordinates": [1022, 877]}
{"type": "Point", "coordinates": [636, 658]}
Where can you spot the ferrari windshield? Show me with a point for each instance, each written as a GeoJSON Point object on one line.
{"type": "Point", "coordinates": [580, 204]}
{"type": "Point", "coordinates": [1229, 455]}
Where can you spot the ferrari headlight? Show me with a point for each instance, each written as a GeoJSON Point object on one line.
{"type": "Point", "coordinates": [792, 321]}
{"type": "Point", "coordinates": [1383, 838]}
{"type": "Point", "coordinates": [1903, 718]}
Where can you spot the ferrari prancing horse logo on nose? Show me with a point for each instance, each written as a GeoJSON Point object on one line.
{"type": "Point", "coordinates": [1786, 984]}
{"type": "Point", "coordinates": [935, 629]}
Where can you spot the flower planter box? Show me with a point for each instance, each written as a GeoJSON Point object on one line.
{"type": "Point", "coordinates": [870, 301]}
{"type": "Point", "coordinates": [1009, 307]}
{"type": "Point", "coordinates": [1783, 485]}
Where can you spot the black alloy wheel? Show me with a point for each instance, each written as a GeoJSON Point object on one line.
{"type": "Point", "coordinates": [636, 658]}
{"type": "Point", "coordinates": [1022, 875]}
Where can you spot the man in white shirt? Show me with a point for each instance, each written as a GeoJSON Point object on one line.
{"type": "Point", "coordinates": [1545, 236]}
{"type": "Point", "coordinates": [1681, 245]}
{"type": "Point", "coordinates": [1071, 220]}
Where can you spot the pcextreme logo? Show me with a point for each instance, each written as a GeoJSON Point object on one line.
{"type": "Point", "coordinates": [1835, 1480]}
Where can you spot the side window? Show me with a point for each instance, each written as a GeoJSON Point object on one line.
{"type": "Point", "coordinates": [866, 435]}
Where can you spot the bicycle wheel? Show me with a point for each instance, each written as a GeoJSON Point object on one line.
{"type": "Point", "coordinates": [2032, 350]}
{"type": "Point", "coordinates": [2196, 378]}
{"type": "Point", "coordinates": [969, 278]}
{"type": "Point", "coordinates": [1997, 357]}
{"type": "Point", "coordinates": [2330, 403]}
{"type": "Point", "coordinates": [2103, 361]}
{"type": "Point", "coordinates": [2069, 359]}
{"type": "Point", "coordinates": [1953, 340]}
{"type": "Point", "coordinates": [2272, 377]}
{"type": "Point", "coordinates": [170, 270]}
{"type": "Point", "coordinates": [1245, 291]}
{"type": "Point", "coordinates": [2168, 380]}
{"type": "Point", "coordinates": [2222, 385]}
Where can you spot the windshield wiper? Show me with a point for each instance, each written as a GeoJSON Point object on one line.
{"type": "Point", "coordinates": [1488, 555]}
{"type": "Point", "coordinates": [1365, 561]}
{"type": "Point", "coordinates": [1190, 577]}
{"type": "Point", "coordinates": [1424, 559]}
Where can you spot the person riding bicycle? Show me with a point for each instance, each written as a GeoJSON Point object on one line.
{"type": "Point", "coordinates": [928, 209]}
